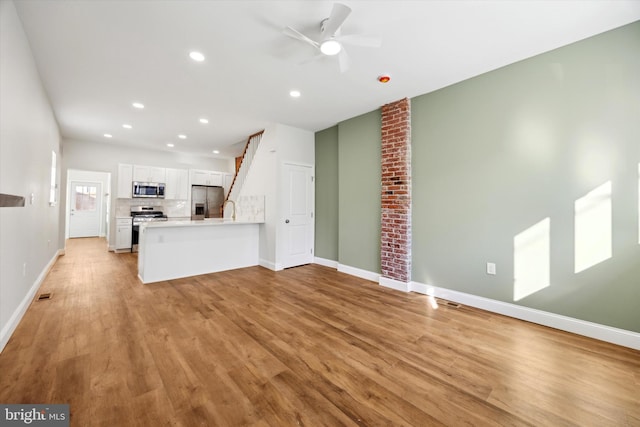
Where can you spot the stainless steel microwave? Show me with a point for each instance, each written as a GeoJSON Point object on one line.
{"type": "Point", "coordinates": [153, 190]}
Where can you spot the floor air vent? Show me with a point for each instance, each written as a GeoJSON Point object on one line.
{"type": "Point", "coordinates": [452, 304]}
{"type": "Point", "coordinates": [45, 296]}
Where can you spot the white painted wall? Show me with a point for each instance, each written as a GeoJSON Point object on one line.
{"type": "Point", "coordinates": [104, 157]}
{"type": "Point", "coordinates": [29, 235]}
{"type": "Point", "coordinates": [279, 144]}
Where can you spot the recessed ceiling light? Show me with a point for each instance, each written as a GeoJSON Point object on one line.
{"type": "Point", "coordinates": [216, 152]}
{"type": "Point", "coordinates": [138, 105]}
{"type": "Point", "coordinates": [181, 136]}
{"type": "Point", "coordinates": [330, 47]}
{"type": "Point", "coordinates": [295, 94]}
{"type": "Point", "coordinates": [170, 145]}
{"type": "Point", "coordinates": [204, 121]}
{"type": "Point", "coordinates": [126, 126]}
{"type": "Point", "coordinates": [196, 56]}
{"type": "Point", "coordinates": [108, 135]}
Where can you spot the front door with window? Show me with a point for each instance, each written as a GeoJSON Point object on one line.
{"type": "Point", "coordinates": [86, 204]}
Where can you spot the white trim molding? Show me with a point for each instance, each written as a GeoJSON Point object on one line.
{"type": "Point", "coordinates": [325, 262]}
{"type": "Point", "coordinates": [394, 284]}
{"type": "Point", "coordinates": [564, 323]}
{"type": "Point", "coordinates": [17, 315]}
{"type": "Point", "coordinates": [363, 274]}
{"type": "Point", "coordinates": [581, 327]}
{"type": "Point", "coordinates": [268, 264]}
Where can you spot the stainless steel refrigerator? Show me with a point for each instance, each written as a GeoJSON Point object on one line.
{"type": "Point", "coordinates": [206, 201]}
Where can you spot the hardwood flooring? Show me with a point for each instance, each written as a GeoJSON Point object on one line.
{"type": "Point", "coordinates": [306, 346]}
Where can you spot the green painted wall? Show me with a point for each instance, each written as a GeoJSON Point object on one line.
{"type": "Point", "coordinates": [359, 192]}
{"type": "Point", "coordinates": [496, 154]}
{"type": "Point", "coordinates": [326, 221]}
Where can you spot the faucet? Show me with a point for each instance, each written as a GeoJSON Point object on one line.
{"type": "Point", "coordinates": [233, 216]}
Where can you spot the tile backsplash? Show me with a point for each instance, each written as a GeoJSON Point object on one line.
{"type": "Point", "coordinates": [248, 208]}
{"type": "Point", "coordinates": [171, 208]}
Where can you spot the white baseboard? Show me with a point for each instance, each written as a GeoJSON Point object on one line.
{"type": "Point", "coordinates": [268, 264]}
{"type": "Point", "coordinates": [564, 323]}
{"type": "Point", "coordinates": [325, 262]}
{"type": "Point", "coordinates": [589, 329]}
{"type": "Point", "coordinates": [363, 274]}
{"type": "Point", "coordinates": [19, 312]}
{"type": "Point", "coordinates": [394, 284]}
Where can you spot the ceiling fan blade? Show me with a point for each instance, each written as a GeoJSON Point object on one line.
{"type": "Point", "coordinates": [343, 60]}
{"type": "Point", "coordinates": [288, 31]}
{"type": "Point", "coordinates": [360, 40]}
{"type": "Point", "coordinates": [338, 15]}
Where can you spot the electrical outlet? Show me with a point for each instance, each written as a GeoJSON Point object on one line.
{"type": "Point", "coordinates": [24, 269]}
{"type": "Point", "coordinates": [491, 268]}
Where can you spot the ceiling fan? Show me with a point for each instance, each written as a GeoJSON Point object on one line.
{"type": "Point", "coordinates": [331, 41]}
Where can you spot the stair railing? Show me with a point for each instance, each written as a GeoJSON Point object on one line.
{"type": "Point", "coordinates": [247, 157]}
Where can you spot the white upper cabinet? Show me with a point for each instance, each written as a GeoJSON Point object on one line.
{"type": "Point", "coordinates": [177, 185]}
{"type": "Point", "coordinates": [125, 179]}
{"type": "Point", "coordinates": [149, 174]}
{"type": "Point", "coordinates": [202, 177]}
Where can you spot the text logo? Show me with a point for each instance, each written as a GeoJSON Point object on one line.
{"type": "Point", "coordinates": [34, 415]}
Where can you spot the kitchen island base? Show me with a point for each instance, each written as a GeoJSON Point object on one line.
{"type": "Point", "coordinates": [173, 250]}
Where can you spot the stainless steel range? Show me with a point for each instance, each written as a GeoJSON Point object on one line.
{"type": "Point", "coordinates": [142, 214]}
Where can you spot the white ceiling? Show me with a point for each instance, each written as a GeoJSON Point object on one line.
{"type": "Point", "coordinates": [96, 57]}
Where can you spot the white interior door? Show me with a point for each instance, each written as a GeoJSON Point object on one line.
{"type": "Point", "coordinates": [84, 211]}
{"type": "Point", "coordinates": [298, 227]}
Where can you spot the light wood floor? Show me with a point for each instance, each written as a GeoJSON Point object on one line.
{"type": "Point", "coordinates": [303, 347]}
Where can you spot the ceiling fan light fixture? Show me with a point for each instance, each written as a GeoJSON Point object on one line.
{"type": "Point", "coordinates": [196, 56]}
{"type": "Point", "coordinates": [330, 47]}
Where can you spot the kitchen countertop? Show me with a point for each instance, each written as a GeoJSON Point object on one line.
{"type": "Point", "coordinates": [198, 223]}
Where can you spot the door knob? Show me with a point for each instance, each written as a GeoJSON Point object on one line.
{"type": "Point", "coordinates": [286, 221]}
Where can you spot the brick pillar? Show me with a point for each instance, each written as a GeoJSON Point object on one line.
{"type": "Point", "coordinates": [395, 248]}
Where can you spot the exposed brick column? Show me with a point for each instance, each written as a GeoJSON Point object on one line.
{"type": "Point", "coordinates": [395, 248]}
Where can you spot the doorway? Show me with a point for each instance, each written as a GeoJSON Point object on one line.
{"type": "Point", "coordinates": [85, 178]}
{"type": "Point", "coordinates": [298, 222]}
{"type": "Point", "coordinates": [85, 210]}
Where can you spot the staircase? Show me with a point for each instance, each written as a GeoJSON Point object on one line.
{"type": "Point", "coordinates": [247, 157]}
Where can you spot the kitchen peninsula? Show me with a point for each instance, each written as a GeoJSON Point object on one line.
{"type": "Point", "coordinates": [175, 249]}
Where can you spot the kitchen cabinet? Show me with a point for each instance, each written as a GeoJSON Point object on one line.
{"type": "Point", "coordinates": [149, 174]}
{"type": "Point", "coordinates": [227, 179]}
{"type": "Point", "coordinates": [125, 178]}
{"type": "Point", "coordinates": [203, 177]}
{"type": "Point", "coordinates": [123, 233]}
{"type": "Point", "coordinates": [177, 184]}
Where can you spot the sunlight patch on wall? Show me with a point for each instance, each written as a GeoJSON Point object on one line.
{"type": "Point", "coordinates": [531, 259]}
{"type": "Point", "coordinates": [593, 228]}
